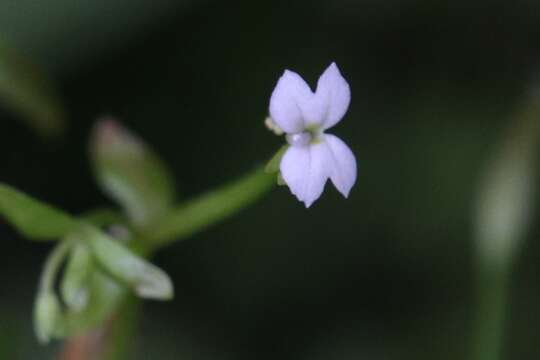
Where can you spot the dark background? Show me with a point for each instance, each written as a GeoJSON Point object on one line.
{"type": "Point", "coordinates": [386, 274]}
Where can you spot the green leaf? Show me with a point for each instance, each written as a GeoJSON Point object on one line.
{"type": "Point", "coordinates": [74, 286]}
{"type": "Point", "coordinates": [210, 208]}
{"type": "Point", "coordinates": [27, 91]}
{"type": "Point", "coordinates": [130, 172]}
{"type": "Point", "coordinates": [146, 280]}
{"type": "Point", "coordinates": [32, 218]}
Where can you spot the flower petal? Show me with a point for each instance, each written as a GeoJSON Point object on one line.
{"type": "Point", "coordinates": [333, 95]}
{"type": "Point", "coordinates": [290, 96]}
{"type": "Point", "coordinates": [344, 164]}
{"type": "Point", "coordinates": [305, 170]}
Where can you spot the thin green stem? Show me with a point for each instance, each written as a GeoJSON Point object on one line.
{"type": "Point", "coordinates": [214, 206]}
{"type": "Point", "coordinates": [103, 217]}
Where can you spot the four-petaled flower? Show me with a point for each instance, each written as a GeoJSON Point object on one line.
{"type": "Point", "coordinates": [304, 115]}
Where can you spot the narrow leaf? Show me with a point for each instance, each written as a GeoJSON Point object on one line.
{"type": "Point", "coordinates": [130, 172]}
{"type": "Point", "coordinates": [33, 218]}
{"type": "Point", "coordinates": [27, 91]}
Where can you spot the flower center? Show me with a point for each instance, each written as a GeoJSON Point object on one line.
{"type": "Point", "coordinates": [299, 139]}
{"type": "Point", "coordinates": [311, 135]}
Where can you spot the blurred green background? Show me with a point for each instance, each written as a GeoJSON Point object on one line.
{"type": "Point", "coordinates": [386, 274]}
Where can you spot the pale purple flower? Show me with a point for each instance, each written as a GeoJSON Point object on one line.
{"type": "Point", "coordinates": [304, 115]}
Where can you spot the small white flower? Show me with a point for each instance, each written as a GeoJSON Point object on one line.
{"type": "Point", "coordinates": [304, 115]}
